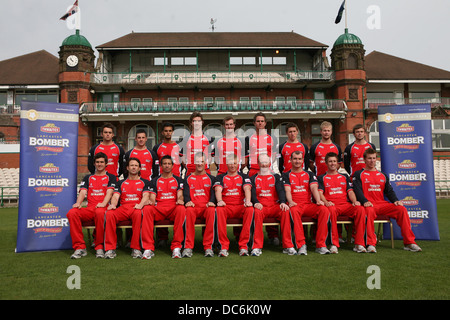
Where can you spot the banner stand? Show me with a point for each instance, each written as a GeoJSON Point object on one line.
{"type": "Point", "coordinates": [406, 153]}
{"type": "Point", "coordinates": [48, 175]}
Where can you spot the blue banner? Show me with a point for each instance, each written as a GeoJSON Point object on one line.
{"type": "Point", "coordinates": [407, 158]}
{"type": "Point", "coordinates": [48, 175]}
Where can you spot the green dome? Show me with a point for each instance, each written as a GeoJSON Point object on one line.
{"type": "Point", "coordinates": [76, 40]}
{"type": "Point", "coordinates": [347, 38]}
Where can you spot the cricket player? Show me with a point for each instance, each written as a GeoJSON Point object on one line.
{"type": "Point", "coordinates": [354, 152]}
{"type": "Point", "coordinates": [337, 193]}
{"type": "Point", "coordinates": [199, 198]}
{"type": "Point", "coordinates": [98, 188]}
{"type": "Point", "coordinates": [166, 202]}
{"type": "Point", "coordinates": [130, 196]}
{"type": "Point", "coordinates": [372, 187]}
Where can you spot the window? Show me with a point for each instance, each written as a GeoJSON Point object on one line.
{"type": "Point", "coordinates": [272, 60]}
{"type": "Point", "coordinates": [190, 61]}
{"type": "Point", "coordinates": [374, 135]}
{"type": "Point", "coordinates": [424, 97]}
{"type": "Point", "coordinates": [160, 61]}
{"type": "Point", "coordinates": [176, 61]}
{"type": "Point", "coordinates": [441, 133]}
{"type": "Point", "coordinates": [279, 60]}
{"type": "Point", "coordinates": [235, 60]}
{"type": "Point", "coordinates": [249, 60]}
{"type": "Point", "coordinates": [132, 136]}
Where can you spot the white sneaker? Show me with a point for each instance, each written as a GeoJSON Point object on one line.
{"type": "Point", "coordinates": [359, 248]}
{"type": "Point", "coordinates": [135, 253]}
{"type": "Point", "coordinates": [78, 254]}
{"type": "Point", "coordinates": [110, 254]}
{"type": "Point", "coordinates": [290, 251]}
{"type": "Point", "coordinates": [187, 253]}
{"type": "Point", "coordinates": [176, 253]}
{"type": "Point", "coordinates": [148, 254]}
{"type": "Point", "coordinates": [412, 247]}
{"type": "Point", "coordinates": [322, 250]}
{"type": "Point", "coordinates": [243, 252]}
{"type": "Point", "coordinates": [371, 249]}
{"type": "Point", "coordinates": [223, 253]}
{"type": "Point", "coordinates": [209, 253]}
{"type": "Point", "coordinates": [333, 249]}
{"type": "Point", "coordinates": [256, 252]}
{"type": "Point", "coordinates": [302, 251]}
{"type": "Point", "coordinates": [100, 253]}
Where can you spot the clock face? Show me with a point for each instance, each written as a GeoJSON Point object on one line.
{"type": "Point", "coordinates": [72, 61]}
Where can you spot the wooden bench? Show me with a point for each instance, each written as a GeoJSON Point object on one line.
{"type": "Point", "coordinates": [237, 222]}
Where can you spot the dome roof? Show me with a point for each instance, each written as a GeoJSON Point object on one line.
{"type": "Point", "coordinates": [347, 38]}
{"type": "Point", "coordinates": [76, 40]}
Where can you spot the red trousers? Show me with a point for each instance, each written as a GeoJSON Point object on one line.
{"type": "Point", "coordinates": [122, 213]}
{"type": "Point", "coordinates": [234, 211]}
{"type": "Point", "coordinates": [175, 213]}
{"type": "Point", "coordinates": [314, 211]}
{"type": "Point", "coordinates": [399, 213]}
{"type": "Point", "coordinates": [209, 214]}
{"type": "Point", "coordinates": [357, 213]}
{"type": "Point", "coordinates": [77, 216]}
{"type": "Point", "coordinates": [272, 212]}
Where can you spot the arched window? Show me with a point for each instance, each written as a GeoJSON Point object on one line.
{"type": "Point", "coordinates": [374, 135]}
{"type": "Point", "coordinates": [132, 136]}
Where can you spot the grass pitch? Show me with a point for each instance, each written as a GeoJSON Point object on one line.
{"type": "Point", "coordinates": [272, 276]}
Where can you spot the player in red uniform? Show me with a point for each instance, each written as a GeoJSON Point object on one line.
{"type": "Point", "coordinates": [98, 188]}
{"type": "Point", "coordinates": [166, 202]}
{"type": "Point", "coordinates": [199, 198]}
{"type": "Point", "coordinates": [269, 200]}
{"type": "Point", "coordinates": [259, 143]}
{"type": "Point", "coordinates": [169, 147]}
{"type": "Point", "coordinates": [354, 152]}
{"type": "Point", "coordinates": [228, 144]}
{"type": "Point", "coordinates": [291, 145]}
{"type": "Point", "coordinates": [300, 185]}
{"type": "Point", "coordinates": [114, 152]}
{"type": "Point", "coordinates": [132, 194]}
{"type": "Point", "coordinates": [371, 188]}
{"type": "Point", "coordinates": [197, 142]}
{"type": "Point", "coordinates": [233, 196]}
{"type": "Point", "coordinates": [148, 158]}
{"type": "Point", "coordinates": [337, 193]}
{"type": "Point", "coordinates": [320, 149]}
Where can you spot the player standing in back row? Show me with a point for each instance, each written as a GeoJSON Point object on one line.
{"type": "Point", "coordinates": [320, 149]}
{"type": "Point", "coordinates": [354, 152]}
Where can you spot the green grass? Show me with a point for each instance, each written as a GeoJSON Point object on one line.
{"type": "Point", "coordinates": [272, 276]}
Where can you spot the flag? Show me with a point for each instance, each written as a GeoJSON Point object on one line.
{"type": "Point", "coordinates": [71, 11]}
{"type": "Point", "coordinates": [339, 15]}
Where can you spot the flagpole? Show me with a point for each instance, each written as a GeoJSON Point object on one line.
{"type": "Point", "coordinates": [345, 12]}
{"type": "Point", "coordinates": [78, 18]}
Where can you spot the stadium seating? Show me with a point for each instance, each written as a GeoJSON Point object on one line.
{"type": "Point", "coordinates": [9, 185]}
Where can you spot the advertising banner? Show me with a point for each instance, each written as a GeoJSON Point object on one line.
{"type": "Point", "coordinates": [407, 159]}
{"type": "Point", "coordinates": [48, 175]}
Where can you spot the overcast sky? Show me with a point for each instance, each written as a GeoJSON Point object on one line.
{"type": "Point", "coordinates": [416, 30]}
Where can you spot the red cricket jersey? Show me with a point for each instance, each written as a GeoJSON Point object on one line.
{"type": "Point", "coordinates": [354, 156]}
{"type": "Point", "coordinates": [285, 152]}
{"type": "Point", "coordinates": [223, 148]}
{"type": "Point", "coordinates": [374, 186]}
{"type": "Point", "coordinates": [232, 187]}
{"type": "Point", "coordinates": [199, 189]}
{"type": "Point", "coordinates": [97, 186]}
{"type": "Point", "coordinates": [115, 154]}
{"type": "Point", "coordinates": [335, 187]}
{"type": "Point", "coordinates": [300, 185]}
{"type": "Point", "coordinates": [166, 190]}
{"type": "Point", "coordinates": [318, 152]}
{"type": "Point", "coordinates": [131, 191]}
{"type": "Point", "coordinates": [256, 145]}
{"type": "Point", "coordinates": [267, 189]}
{"type": "Point", "coordinates": [173, 150]}
{"type": "Point", "coordinates": [195, 144]}
{"type": "Point", "coordinates": [148, 159]}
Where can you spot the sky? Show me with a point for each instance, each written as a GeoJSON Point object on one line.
{"type": "Point", "coordinates": [415, 30]}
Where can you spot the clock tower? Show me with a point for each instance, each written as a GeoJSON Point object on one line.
{"type": "Point", "coordinates": [76, 62]}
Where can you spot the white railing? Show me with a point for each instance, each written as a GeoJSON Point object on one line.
{"type": "Point", "coordinates": [210, 77]}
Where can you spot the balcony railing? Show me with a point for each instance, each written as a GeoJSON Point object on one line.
{"type": "Point", "coordinates": [9, 109]}
{"type": "Point", "coordinates": [372, 104]}
{"type": "Point", "coordinates": [210, 77]}
{"type": "Point", "coordinates": [225, 106]}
